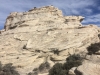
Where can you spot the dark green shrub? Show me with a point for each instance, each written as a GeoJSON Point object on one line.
{"type": "Point", "coordinates": [34, 72]}
{"type": "Point", "coordinates": [93, 48]}
{"type": "Point", "coordinates": [55, 51]}
{"type": "Point", "coordinates": [57, 69]}
{"type": "Point", "coordinates": [35, 69]}
{"type": "Point", "coordinates": [8, 69]}
{"type": "Point", "coordinates": [73, 61]}
{"type": "Point", "coordinates": [63, 69]}
{"type": "Point", "coordinates": [44, 66]}
{"type": "Point", "coordinates": [24, 47]}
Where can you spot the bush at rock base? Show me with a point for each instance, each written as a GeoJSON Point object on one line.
{"type": "Point", "coordinates": [8, 69]}
{"type": "Point", "coordinates": [63, 69]}
{"type": "Point", "coordinates": [44, 67]}
{"type": "Point", "coordinates": [57, 69]}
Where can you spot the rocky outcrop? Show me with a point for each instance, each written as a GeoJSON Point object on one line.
{"type": "Point", "coordinates": [90, 66]}
{"type": "Point", "coordinates": [89, 69]}
{"type": "Point", "coordinates": [41, 17]}
{"type": "Point", "coordinates": [15, 18]}
{"type": "Point", "coordinates": [43, 35]}
{"type": "Point", "coordinates": [86, 69]}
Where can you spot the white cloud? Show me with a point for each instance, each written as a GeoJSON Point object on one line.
{"type": "Point", "coordinates": [75, 6]}
{"type": "Point", "coordinates": [99, 8]}
{"type": "Point", "coordinates": [92, 19]}
{"type": "Point", "coordinates": [75, 12]}
{"type": "Point", "coordinates": [88, 11]}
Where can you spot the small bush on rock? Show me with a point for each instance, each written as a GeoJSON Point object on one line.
{"type": "Point", "coordinates": [44, 66]}
{"type": "Point", "coordinates": [57, 70]}
{"type": "Point", "coordinates": [55, 51]}
{"type": "Point", "coordinates": [93, 48]}
{"type": "Point", "coordinates": [8, 69]}
{"type": "Point", "coordinates": [73, 61]}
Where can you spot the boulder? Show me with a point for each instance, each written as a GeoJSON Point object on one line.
{"type": "Point", "coordinates": [89, 69]}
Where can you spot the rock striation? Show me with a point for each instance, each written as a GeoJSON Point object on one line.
{"type": "Point", "coordinates": [43, 35]}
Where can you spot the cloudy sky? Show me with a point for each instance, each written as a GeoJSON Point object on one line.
{"type": "Point", "coordinates": [90, 9]}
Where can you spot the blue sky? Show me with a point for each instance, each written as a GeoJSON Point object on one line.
{"type": "Point", "coordinates": [90, 9]}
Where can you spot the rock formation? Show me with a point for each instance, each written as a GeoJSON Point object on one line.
{"type": "Point", "coordinates": [42, 17]}
{"type": "Point", "coordinates": [43, 34]}
{"type": "Point", "coordinates": [87, 69]}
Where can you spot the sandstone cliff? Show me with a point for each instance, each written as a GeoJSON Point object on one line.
{"type": "Point", "coordinates": [43, 34]}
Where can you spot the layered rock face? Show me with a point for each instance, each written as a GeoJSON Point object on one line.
{"type": "Point", "coordinates": [43, 34]}
{"type": "Point", "coordinates": [45, 17]}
